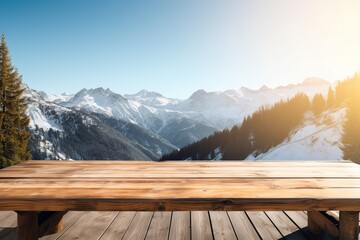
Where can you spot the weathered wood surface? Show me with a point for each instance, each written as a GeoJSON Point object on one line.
{"type": "Point", "coordinates": [170, 186]}
{"type": "Point", "coordinates": [28, 228]}
{"type": "Point", "coordinates": [319, 222]}
{"type": "Point", "coordinates": [348, 225]}
{"type": "Point", "coordinates": [103, 226]}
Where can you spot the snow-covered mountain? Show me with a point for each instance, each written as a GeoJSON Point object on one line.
{"type": "Point", "coordinates": [214, 109]}
{"type": "Point", "coordinates": [156, 118]}
{"type": "Point", "coordinates": [147, 124]}
{"type": "Point", "coordinates": [59, 132]}
{"type": "Point", "coordinates": [224, 109]}
{"type": "Point", "coordinates": [319, 137]}
{"type": "Point", "coordinates": [152, 99]}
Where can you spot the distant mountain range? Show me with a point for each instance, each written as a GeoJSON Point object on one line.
{"type": "Point", "coordinates": [100, 124]}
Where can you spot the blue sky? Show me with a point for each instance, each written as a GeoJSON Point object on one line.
{"type": "Point", "coordinates": [176, 47]}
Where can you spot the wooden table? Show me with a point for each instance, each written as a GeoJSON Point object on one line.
{"type": "Point", "coordinates": [42, 191]}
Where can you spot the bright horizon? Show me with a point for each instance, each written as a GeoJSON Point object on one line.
{"type": "Point", "coordinates": [176, 48]}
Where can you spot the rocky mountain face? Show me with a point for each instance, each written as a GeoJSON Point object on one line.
{"type": "Point", "coordinates": [100, 124]}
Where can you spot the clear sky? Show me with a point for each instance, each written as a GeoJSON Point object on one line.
{"type": "Point", "coordinates": [176, 47]}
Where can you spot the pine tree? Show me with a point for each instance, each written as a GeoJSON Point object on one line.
{"type": "Point", "coordinates": [351, 131]}
{"type": "Point", "coordinates": [330, 101]}
{"type": "Point", "coordinates": [318, 103]}
{"type": "Point", "coordinates": [13, 119]}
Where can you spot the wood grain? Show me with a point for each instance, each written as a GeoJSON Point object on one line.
{"type": "Point", "coordinates": [221, 226]}
{"type": "Point", "coordinates": [69, 219]}
{"type": "Point", "coordinates": [286, 227]}
{"type": "Point", "coordinates": [117, 228]}
{"type": "Point", "coordinates": [181, 186]}
{"type": "Point", "coordinates": [242, 226]}
{"type": "Point", "coordinates": [348, 225]}
{"type": "Point", "coordinates": [84, 227]}
{"type": "Point", "coordinates": [159, 226]}
{"type": "Point", "coordinates": [264, 226]}
{"type": "Point", "coordinates": [200, 226]}
{"type": "Point", "coordinates": [176, 186]}
{"type": "Point", "coordinates": [28, 228]}
{"type": "Point", "coordinates": [139, 226]}
{"type": "Point", "coordinates": [180, 226]}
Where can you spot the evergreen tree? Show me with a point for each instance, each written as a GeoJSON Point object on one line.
{"type": "Point", "coordinates": [330, 101]}
{"type": "Point", "coordinates": [351, 131]}
{"type": "Point", "coordinates": [13, 119]}
{"type": "Point", "coordinates": [318, 103]}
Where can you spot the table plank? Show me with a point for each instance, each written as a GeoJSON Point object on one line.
{"type": "Point", "coordinates": [149, 186]}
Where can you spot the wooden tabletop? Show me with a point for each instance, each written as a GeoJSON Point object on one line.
{"type": "Point", "coordinates": [173, 186]}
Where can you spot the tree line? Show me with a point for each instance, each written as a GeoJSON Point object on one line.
{"type": "Point", "coordinates": [264, 129]}
{"type": "Point", "coordinates": [349, 92]}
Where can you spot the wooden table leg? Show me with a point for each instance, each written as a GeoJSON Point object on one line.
{"type": "Point", "coordinates": [313, 224]}
{"type": "Point", "coordinates": [348, 225]}
{"type": "Point", "coordinates": [50, 222]}
{"type": "Point", "coordinates": [28, 226]}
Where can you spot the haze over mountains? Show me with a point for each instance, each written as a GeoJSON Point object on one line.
{"type": "Point", "coordinates": [100, 124]}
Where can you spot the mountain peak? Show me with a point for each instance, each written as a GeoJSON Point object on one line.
{"type": "Point", "coordinates": [147, 94]}
{"type": "Point", "coordinates": [264, 88]}
{"type": "Point", "coordinates": [314, 81]}
{"type": "Point", "coordinates": [198, 94]}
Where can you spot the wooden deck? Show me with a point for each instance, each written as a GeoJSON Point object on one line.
{"type": "Point", "coordinates": [174, 225]}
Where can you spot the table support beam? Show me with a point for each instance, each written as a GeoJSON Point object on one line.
{"type": "Point", "coordinates": [33, 225]}
{"type": "Point", "coordinates": [28, 226]}
{"type": "Point", "coordinates": [348, 225]}
{"type": "Point", "coordinates": [318, 222]}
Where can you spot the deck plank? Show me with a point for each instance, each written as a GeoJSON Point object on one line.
{"type": "Point", "coordinates": [221, 225]}
{"type": "Point", "coordinates": [286, 227]}
{"type": "Point", "coordinates": [180, 226]}
{"type": "Point", "coordinates": [242, 226]}
{"type": "Point", "coordinates": [200, 226]}
{"type": "Point", "coordinates": [264, 226]}
{"type": "Point", "coordinates": [68, 220]}
{"type": "Point", "coordinates": [8, 225]}
{"type": "Point", "coordinates": [118, 226]}
{"type": "Point", "coordinates": [159, 226]}
{"type": "Point", "coordinates": [138, 226]}
{"type": "Point", "coordinates": [90, 225]}
{"type": "Point", "coordinates": [168, 225]}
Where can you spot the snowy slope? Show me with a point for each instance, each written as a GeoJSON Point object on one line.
{"type": "Point", "coordinates": [318, 138]}
{"type": "Point", "coordinates": [54, 97]}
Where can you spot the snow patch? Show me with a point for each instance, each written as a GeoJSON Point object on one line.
{"type": "Point", "coordinates": [37, 118]}
{"type": "Point", "coordinates": [319, 138]}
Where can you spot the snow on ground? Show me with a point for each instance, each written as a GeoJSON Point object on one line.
{"type": "Point", "coordinates": [218, 154]}
{"type": "Point", "coordinates": [319, 138]}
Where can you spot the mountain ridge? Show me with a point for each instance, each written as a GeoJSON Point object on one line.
{"type": "Point", "coordinates": [166, 122]}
